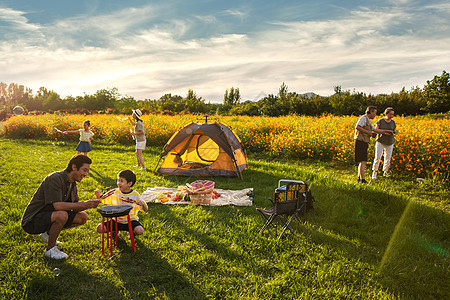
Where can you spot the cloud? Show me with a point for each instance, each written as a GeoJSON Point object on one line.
{"type": "Point", "coordinates": [237, 13]}
{"type": "Point", "coordinates": [16, 24]}
{"type": "Point", "coordinates": [372, 50]}
{"type": "Point", "coordinates": [16, 20]}
{"type": "Point", "coordinates": [207, 19]}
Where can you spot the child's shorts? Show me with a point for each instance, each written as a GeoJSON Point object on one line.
{"type": "Point", "coordinates": [122, 227]}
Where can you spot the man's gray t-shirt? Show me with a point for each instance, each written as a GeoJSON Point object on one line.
{"type": "Point", "coordinates": [54, 188]}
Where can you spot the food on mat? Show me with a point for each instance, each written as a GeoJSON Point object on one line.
{"type": "Point", "coordinates": [178, 197]}
{"type": "Point", "coordinates": [215, 195]}
{"type": "Point", "coordinates": [162, 198]}
{"type": "Point", "coordinates": [168, 196]}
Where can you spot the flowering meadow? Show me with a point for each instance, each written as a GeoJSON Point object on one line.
{"type": "Point", "coordinates": [421, 149]}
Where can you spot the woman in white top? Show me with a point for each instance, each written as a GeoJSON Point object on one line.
{"type": "Point", "coordinates": [385, 143]}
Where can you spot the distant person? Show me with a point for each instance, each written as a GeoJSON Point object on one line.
{"type": "Point", "coordinates": [139, 136]}
{"type": "Point", "coordinates": [363, 132]}
{"type": "Point", "coordinates": [55, 205]}
{"type": "Point", "coordinates": [124, 194]}
{"type": "Point", "coordinates": [384, 143]}
{"type": "Point", "coordinates": [86, 137]}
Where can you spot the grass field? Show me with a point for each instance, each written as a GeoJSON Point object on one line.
{"type": "Point", "coordinates": [385, 240]}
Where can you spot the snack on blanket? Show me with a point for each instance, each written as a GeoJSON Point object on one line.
{"type": "Point", "coordinates": [215, 195]}
{"type": "Point", "coordinates": [169, 196]}
{"type": "Point", "coordinates": [162, 198]}
{"type": "Point", "coordinates": [178, 197]}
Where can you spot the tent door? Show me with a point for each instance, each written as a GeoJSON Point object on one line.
{"type": "Point", "coordinates": [207, 149]}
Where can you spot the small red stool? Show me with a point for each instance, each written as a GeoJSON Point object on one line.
{"type": "Point", "coordinates": [109, 213]}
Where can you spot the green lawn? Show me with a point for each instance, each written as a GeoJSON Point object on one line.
{"type": "Point", "coordinates": [389, 239]}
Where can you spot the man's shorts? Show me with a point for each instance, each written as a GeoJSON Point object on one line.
{"type": "Point", "coordinates": [361, 151]}
{"type": "Point", "coordinates": [122, 227]}
{"type": "Point", "coordinates": [43, 221]}
{"type": "Point", "coordinates": [140, 145]}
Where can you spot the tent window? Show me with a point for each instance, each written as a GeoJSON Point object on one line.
{"type": "Point", "coordinates": [207, 149]}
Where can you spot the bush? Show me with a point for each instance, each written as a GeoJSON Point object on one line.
{"type": "Point", "coordinates": [25, 127]}
{"type": "Point", "coordinates": [421, 148]}
{"type": "Point", "coordinates": [3, 115]}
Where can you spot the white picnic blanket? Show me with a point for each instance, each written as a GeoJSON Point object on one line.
{"type": "Point", "coordinates": [242, 197]}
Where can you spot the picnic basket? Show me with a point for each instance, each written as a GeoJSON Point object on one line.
{"type": "Point", "coordinates": [203, 197]}
{"type": "Point", "coordinates": [199, 191]}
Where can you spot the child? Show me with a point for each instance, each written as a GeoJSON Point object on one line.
{"type": "Point", "coordinates": [86, 136]}
{"type": "Point", "coordinates": [139, 136]}
{"type": "Point", "coordinates": [124, 195]}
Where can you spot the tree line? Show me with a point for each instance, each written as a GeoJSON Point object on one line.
{"type": "Point", "coordinates": [433, 98]}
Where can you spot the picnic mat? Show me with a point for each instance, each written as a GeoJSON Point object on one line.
{"type": "Point", "coordinates": [242, 197]}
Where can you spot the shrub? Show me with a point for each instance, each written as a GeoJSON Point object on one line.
{"type": "Point", "coordinates": [421, 147]}
{"type": "Point", "coordinates": [3, 114]}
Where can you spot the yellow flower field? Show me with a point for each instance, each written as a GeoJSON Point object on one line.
{"type": "Point", "coordinates": [421, 148]}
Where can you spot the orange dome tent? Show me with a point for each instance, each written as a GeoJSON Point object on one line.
{"type": "Point", "coordinates": [203, 149]}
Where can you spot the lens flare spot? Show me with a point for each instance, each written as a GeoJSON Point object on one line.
{"type": "Point", "coordinates": [360, 213]}
{"type": "Point", "coordinates": [426, 244]}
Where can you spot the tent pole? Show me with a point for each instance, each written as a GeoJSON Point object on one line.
{"type": "Point", "coordinates": [160, 157]}
{"type": "Point", "coordinates": [157, 164]}
{"type": "Point", "coordinates": [237, 168]}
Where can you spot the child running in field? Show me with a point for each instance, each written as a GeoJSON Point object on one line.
{"type": "Point", "coordinates": [124, 194]}
{"type": "Point", "coordinates": [86, 136]}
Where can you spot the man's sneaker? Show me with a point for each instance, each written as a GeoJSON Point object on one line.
{"type": "Point", "coordinates": [143, 169]}
{"type": "Point", "coordinates": [44, 237]}
{"type": "Point", "coordinates": [362, 181]}
{"type": "Point", "coordinates": [386, 174]}
{"type": "Point", "coordinates": [55, 253]}
{"type": "Point", "coordinates": [374, 175]}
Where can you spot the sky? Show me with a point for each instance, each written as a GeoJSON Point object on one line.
{"type": "Point", "coordinates": [147, 49]}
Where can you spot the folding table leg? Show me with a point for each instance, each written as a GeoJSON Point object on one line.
{"type": "Point", "coordinates": [107, 233]}
{"type": "Point", "coordinates": [116, 233]}
{"type": "Point", "coordinates": [110, 237]}
{"type": "Point", "coordinates": [103, 236]}
{"type": "Point", "coordinates": [130, 229]}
